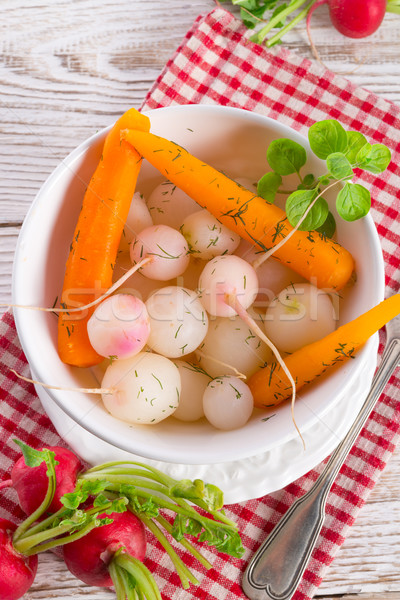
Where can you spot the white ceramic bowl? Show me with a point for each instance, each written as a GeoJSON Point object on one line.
{"type": "Point", "coordinates": [233, 140]}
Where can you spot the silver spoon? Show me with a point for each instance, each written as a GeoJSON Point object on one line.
{"type": "Point", "coordinates": [276, 568]}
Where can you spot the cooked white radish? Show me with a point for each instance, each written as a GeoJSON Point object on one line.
{"type": "Point", "coordinates": [229, 340]}
{"type": "Point", "coordinates": [178, 321]}
{"type": "Point", "coordinates": [224, 275]}
{"type": "Point", "coordinates": [194, 381]}
{"type": "Point", "coordinates": [227, 402]}
{"type": "Point", "coordinates": [207, 237]}
{"type": "Point", "coordinates": [168, 249]}
{"type": "Point", "coordinates": [169, 205]}
{"type": "Point", "coordinates": [119, 326]}
{"type": "Point", "coordinates": [272, 275]}
{"type": "Point", "coordinates": [144, 389]}
{"type": "Point", "coordinates": [301, 314]}
{"type": "Point", "coordinates": [138, 219]}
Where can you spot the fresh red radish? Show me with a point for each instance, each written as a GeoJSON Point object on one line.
{"type": "Point", "coordinates": [89, 558]}
{"type": "Point", "coordinates": [353, 18]}
{"type": "Point", "coordinates": [31, 483]}
{"type": "Point", "coordinates": [17, 571]}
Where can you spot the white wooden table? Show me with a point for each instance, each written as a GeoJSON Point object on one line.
{"type": "Point", "coordinates": [70, 68]}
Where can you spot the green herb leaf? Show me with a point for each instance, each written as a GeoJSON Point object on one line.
{"type": "Point", "coordinates": [297, 204]}
{"type": "Point", "coordinates": [328, 228]}
{"type": "Point", "coordinates": [308, 182]}
{"type": "Point", "coordinates": [353, 201]}
{"type": "Point", "coordinates": [326, 137]}
{"type": "Point", "coordinates": [268, 185]}
{"type": "Point", "coordinates": [355, 141]}
{"type": "Point", "coordinates": [285, 156]}
{"type": "Point", "coordinates": [339, 166]}
{"type": "Point", "coordinates": [373, 158]}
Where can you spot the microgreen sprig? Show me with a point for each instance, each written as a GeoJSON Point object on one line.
{"type": "Point", "coordinates": [343, 151]}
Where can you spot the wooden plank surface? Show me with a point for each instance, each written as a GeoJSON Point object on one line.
{"type": "Point", "coordinates": [68, 69]}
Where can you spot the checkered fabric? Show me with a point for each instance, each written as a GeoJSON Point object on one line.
{"type": "Point", "coordinates": [217, 64]}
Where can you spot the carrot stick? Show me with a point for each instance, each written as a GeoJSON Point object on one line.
{"type": "Point", "coordinates": [96, 239]}
{"type": "Point", "coordinates": [320, 260]}
{"type": "Point", "coordinates": [270, 385]}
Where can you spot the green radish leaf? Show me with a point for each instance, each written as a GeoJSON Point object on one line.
{"type": "Point", "coordinates": [339, 166]}
{"type": "Point", "coordinates": [328, 228]}
{"type": "Point", "coordinates": [285, 156]}
{"type": "Point", "coordinates": [373, 158]}
{"type": "Point", "coordinates": [83, 490]}
{"type": "Point", "coordinates": [34, 458]}
{"type": "Point", "coordinates": [268, 185]}
{"type": "Point", "coordinates": [353, 201]}
{"type": "Point", "coordinates": [297, 204]}
{"type": "Point", "coordinates": [355, 141]}
{"type": "Point", "coordinates": [198, 490]}
{"type": "Point", "coordinates": [326, 137]}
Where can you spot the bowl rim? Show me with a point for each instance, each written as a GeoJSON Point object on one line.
{"type": "Point", "coordinates": [108, 435]}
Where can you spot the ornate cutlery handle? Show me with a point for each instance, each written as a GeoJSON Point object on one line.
{"type": "Point", "coordinates": [278, 565]}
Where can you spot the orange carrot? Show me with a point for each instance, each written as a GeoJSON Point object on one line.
{"type": "Point", "coordinates": [270, 385]}
{"type": "Point", "coordinates": [96, 239]}
{"type": "Point", "coordinates": [320, 260]}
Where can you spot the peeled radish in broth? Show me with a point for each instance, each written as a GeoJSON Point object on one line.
{"type": "Point", "coordinates": [207, 237]}
{"type": "Point", "coordinates": [169, 205]}
{"type": "Point", "coordinates": [229, 340]}
{"type": "Point", "coordinates": [194, 382]}
{"type": "Point", "coordinates": [144, 389]}
{"type": "Point", "coordinates": [178, 321]}
{"type": "Point", "coordinates": [272, 275]}
{"type": "Point", "coordinates": [224, 275]}
{"type": "Point", "coordinates": [168, 249]}
{"type": "Point", "coordinates": [119, 326]}
{"type": "Point", "coordinates": [227, 402]}
{"type": "Point", "coordinates": [300, 315]}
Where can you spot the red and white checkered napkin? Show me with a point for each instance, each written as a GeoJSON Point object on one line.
{"type": "Point", "coordinates": [216, 64]}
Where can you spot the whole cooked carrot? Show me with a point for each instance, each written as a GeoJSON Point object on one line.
{"type": "Point", "coordinates": [270, 385]}
{"type": "Point", "coordinates": [96, 239]}
{"type": "Point", "coordinates": [319, 259]}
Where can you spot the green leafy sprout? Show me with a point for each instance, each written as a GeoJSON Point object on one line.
{"type": "Point", "coordinates": [272, 19]}
{"type": "Point", "coordinates": [343, 151]}
{"type": "Point", "coordinates": [146, 492]}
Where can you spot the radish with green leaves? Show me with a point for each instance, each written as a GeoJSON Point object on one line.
{"type": "Point", "coordinates": [17, 572]}
{"type": "Point", "coordinates": [31, 482]}
{"type": "Point", "coordinates": [103, 522]}
{"type": "Point", "coordinates": [352, 18]}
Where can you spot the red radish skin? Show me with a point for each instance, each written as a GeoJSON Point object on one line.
{"type": "Point", "coordinates": [17, 572]}
{"type": "Point", "coordinates": [31, 483]}
{"type": "Point", "coordinates": [88, 557]}
{"type": "Point", "coordinates": [353, 18]}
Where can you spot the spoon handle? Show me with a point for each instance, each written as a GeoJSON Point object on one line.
{"type": "Point", "coordinates": [278, 565]}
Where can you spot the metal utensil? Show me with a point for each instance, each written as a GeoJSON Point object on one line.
{"type": "Point", "coordinates": [278, 565]}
